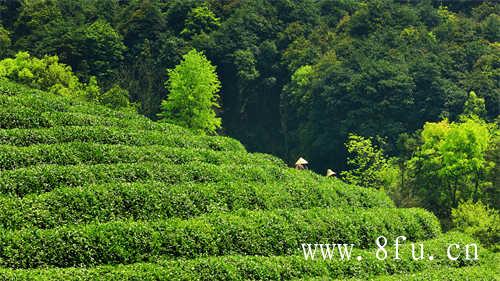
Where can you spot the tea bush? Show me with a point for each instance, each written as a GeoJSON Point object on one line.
{"type": "Point", "coordinates": [279, 232]}
{"type": "Point", "coordinates": [155, 200]}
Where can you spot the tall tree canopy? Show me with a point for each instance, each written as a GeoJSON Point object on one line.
{"type": "Point", "coordinates": [193, 92]}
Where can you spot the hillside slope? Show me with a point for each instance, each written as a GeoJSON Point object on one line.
{"type": "Point", "coordinates": [90, 193]}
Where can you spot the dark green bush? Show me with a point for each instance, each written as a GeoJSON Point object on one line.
{"type": "Point", "coordinates": [143, 201]}
{"type": "Point", "coordinates": [278, 232]}
{"type": "Point", "coordinates": [116, 97]}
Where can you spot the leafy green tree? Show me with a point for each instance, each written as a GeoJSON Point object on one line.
{"type": "Point", "coordinates": [200, 19]}
{"type": "Point", "coordinates": [103, 50]}
{"type": "Point", "coordinates": [474, 107]}
{"type": "Point", "coordinates": [116, 97]}
{"type": "Point", "coordinates": [4, 41]}
{"type": "Point", "coordinates": [368, 166]}
{"type": "Point", "coordinates": [450, 165]}
{"type": "Point", "coordinates": [193, 86]}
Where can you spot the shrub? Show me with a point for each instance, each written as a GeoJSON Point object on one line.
{"type": "Point", "coordinates": [116, 97]}
{"type": "Point", "coordinates": [243, 232]}
{"type": "Point", "coordinates": [44, 74]}
{"type": "Point", "coordinates": [478, 220]}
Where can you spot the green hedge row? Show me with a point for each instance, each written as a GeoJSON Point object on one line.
{"type": "Point", "coordinates": [169, 136]}
{"type": "Point", "coordinates": [43, 178]}
{"type": "Point", "coordinates": [264, 268]}
{"type": "Point", "coordinates": [13, 157]}
{"type": "Point", "coordinates": [25, 117]}
{"type": "Point", "coordinates": [487, 270]}
{"type": "Point", "coordinates": [472, 273]}
{"type": "Point", "coordinates": [278, 232]}
{"type": "Point", "coordinates": [13, 95]}
{"type": "Point", "coordinates": [145, 201]}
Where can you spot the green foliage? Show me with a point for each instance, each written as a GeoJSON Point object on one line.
{"type": "Point", "coordinates": [107, 186]}
{"type": "Point", "coordinates": [450, 165]}
{"type": "Point", "coordinates": [4, 41]}
{"type": "Point", "coordinates": [396, 64]}
{"type": "Point", "coordinates": [116, 97]}
{"type": "Point", "coordinates": [155, 200]}
{"type": "Point", "coordinates": [240, 232]}
{"type": "Point", "coordinates": [13, 157]}
{"type": "Point", "coordinates": [368, 165]}
{"type": "Point", "coordinates": [45, 74]}
{"type": "Point", "coordinates": [193, 87]}
{"type": "Point", "coordinates": [236, 267]}
{"type": "Point", "coordinates": [200, 19]}
{"type": "Point", "coordinates": [474, 107]}
{"type": "Point", "coordinates": [479, 221]}
{"type": "Point", "coordinates": [103, 49]}
{"type": "Point", "coordinates": [483, 272]}
{"type": "Point", "coordinates": [134, 133]}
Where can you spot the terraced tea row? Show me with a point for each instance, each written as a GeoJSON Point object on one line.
{"type": "Point", "coordinates": [43, 178]}
{"type": "Point", "coordinates": [278, 232]}
{"type": "Point", "coordinates": [275, 267]}
{"type": "Point", "coordinates": [168, 136]}
{"type": "Point", "coordinates": [486, 272]}
{"type": "Point", "coordinates": [14, 95]}
{"type": "Point", "coordinates": [154, 200]}
{"type": "Point", "coordinates": [25, 117]}
{"type": "Point", "coordinates": [12, 157]}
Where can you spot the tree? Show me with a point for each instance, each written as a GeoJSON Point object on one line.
{"type": "Point", "coordinates": [193, 87]}
{"type": "Point", "coordinates": [4, 41]}
{"type": "Point", "coordinates": [103, 50]}
{"type": "Point", "coordinates": [369, 167]}
{"type": "Point", "coordinates": [450, 165]}
{"type": "Point", "coordinates": [116, 97]}
{"type": "Point", "coordinates": [200, 19]}
{"type": "Point", "coordinates": [474, 107]}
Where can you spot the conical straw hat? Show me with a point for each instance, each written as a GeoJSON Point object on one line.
{"type": "Point", "coordinates": [301, 161]}
{"type": "Point", "coordinates": [330, 173]}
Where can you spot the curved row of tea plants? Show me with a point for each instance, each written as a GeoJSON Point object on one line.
{"type": "Point", "coordinates": [28, 117]}
{"type": "Point", "coordinates": [155, 200]}
{"type": "Point", "coordinates": [43, 178]}
{"type": "Point", "coordinates": [16, 95]}
{"type": "Point", "coordinates": [12, 157]}
{"type": "Point", "coordinates": [278, 232]}
{"type": "Point", "coordinates": [291, 267]}
{"type": "Point", "coordinates": [115, 135]}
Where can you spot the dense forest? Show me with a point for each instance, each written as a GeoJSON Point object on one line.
{"type": "Point", "coordinates": [319, 79]}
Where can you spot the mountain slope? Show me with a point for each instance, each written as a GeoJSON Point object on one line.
{"type": "Point", "coordinates": [88, 192]}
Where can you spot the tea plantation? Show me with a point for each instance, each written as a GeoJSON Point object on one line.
{"type": "Point", "coordinates": [90, 193]}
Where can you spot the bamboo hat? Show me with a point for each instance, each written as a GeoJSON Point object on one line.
{"type": "Point", "coordinates": [301, 161]}
{"type": "Point", "coordinates": [330, 173]}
